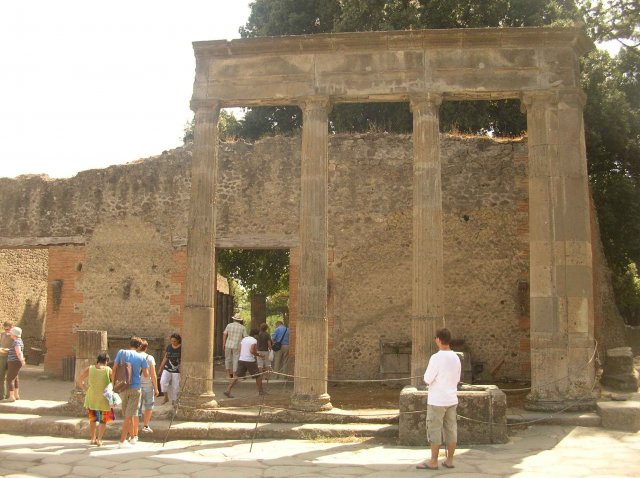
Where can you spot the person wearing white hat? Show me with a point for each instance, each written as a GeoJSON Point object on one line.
{"type": "Point", "coordinates": [15, 361]}
{"type": "Point", "coordinates": [233, 333]}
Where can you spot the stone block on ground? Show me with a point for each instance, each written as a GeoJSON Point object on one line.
{"type": "Point", "coordinates": [482, 415]}
{"type": "Point", "coordinates": [619, 371]}
{"type": "Point", "coordinates": [621, 415]}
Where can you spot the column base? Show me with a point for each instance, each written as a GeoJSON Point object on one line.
{"type": "Point", "coordinates": [583, 405]}
{"type": "Point", "coordinates": [195, 407]}
{"type": "Point", "coordinates": [311, 403]}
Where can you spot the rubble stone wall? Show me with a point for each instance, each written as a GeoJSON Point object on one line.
{"type": "Point", "coordinates": [133, 219]}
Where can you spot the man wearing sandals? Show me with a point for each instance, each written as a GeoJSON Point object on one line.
{"type": "Point", "coordinates": [442, 377]}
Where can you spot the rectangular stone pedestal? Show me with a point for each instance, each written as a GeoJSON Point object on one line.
{"type": "Point", "coordinates": [483, 406]}
{"type": "Point", "coordinates": [624, 416]}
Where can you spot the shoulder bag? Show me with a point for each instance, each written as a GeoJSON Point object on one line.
{"type": "Point", "coordinates": [278, 344]}
{"type": "Point", "coordinates": [122, 380]}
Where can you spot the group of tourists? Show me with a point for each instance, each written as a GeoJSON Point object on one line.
{"type": "Point", "coordinates": [11, 361]}
{"type": "Point", "coordinates": [254, 353]}
{"type": "Point", "coordinates": [140, 389]}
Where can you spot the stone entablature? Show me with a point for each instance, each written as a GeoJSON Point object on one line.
{"type": "Point", "coordinates": [388, 66]}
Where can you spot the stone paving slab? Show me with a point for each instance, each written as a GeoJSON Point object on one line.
{"type": "Point", "coordinates": [540, 451]}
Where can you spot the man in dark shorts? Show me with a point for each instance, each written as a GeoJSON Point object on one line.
{"type": "Point", "coordinates": [247, 362]}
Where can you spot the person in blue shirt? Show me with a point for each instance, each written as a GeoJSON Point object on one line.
{"type": "Point", "coordinates": [281, 357]}
{"type": "Point", "coordinates": [131, 396]}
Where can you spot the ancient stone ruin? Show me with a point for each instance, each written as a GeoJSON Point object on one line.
{"type": "Point", "coordinates": [390, 236]}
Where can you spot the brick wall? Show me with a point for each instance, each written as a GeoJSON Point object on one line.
{"type": "Point", "coordinates": [65, 305]}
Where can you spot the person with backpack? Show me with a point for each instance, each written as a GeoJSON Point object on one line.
{"type": "Point", "coordinates": [131, 394]}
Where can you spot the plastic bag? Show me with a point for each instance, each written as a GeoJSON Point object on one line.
{"type": "Point", "coordinates": [112, 397]}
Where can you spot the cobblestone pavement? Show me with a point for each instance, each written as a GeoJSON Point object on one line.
{"type": "Point", "coordinates": [539, 451]}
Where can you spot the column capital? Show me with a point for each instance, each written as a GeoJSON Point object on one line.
{"type": "Point", "coordinates": [573, 96]}
{"type": "Point", "coordinates": [204, 105]}
{"type": "Point", "coordinates": [429, 100]}
{"type": "Point", "coordinates": [310, 103]}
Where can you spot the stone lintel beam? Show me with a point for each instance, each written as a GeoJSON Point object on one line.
{"type": "Point", "coordinates": [395, 66]}
{"type": "Point", "coordinates": [311, 364]}
{"type": "Point", "coordinates": [427, 305]}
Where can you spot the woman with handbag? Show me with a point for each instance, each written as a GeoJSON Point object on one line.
{"type": "Point", "coordinates": [93, 380]}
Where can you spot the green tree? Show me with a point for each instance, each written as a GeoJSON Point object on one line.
{"type": "Point", "coordinates": [277, 18]}
{"type": "Point", "coordinates": [258, 271]}
{"type": "Point", "coordinates": [229, 128]}
{"type": "Point", "coordinates": [613, 20]}
{"type": "Point", "coordinates": [262, 273]}
{"type": "Point", "coordinates": [288, 17]}
{"type": "Point", "coordinates": [612, 134]}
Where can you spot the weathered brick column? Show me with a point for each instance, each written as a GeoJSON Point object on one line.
{"type": "Point", "coordinates": [562, 342]}
{"type": "Point", "coordinates": [310, 392]}
{"type": "Point", "coordinates": [427, 304]}
{"type": "Point", "coordinates": [199, 313]}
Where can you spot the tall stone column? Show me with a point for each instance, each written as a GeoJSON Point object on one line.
{"type": "Point", "coordinates": [310, 386]}
{"type": "Point", "coordinates": [561, 275]}
{"type": "Point", "coordinates": [427, 304]}
{"type": "Point", "coordinates": [199, 314]}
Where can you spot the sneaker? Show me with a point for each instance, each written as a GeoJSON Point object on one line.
{"type": "Point", "coordinates": [147, 430]}
{"type": "Point", "coordinates": [133, 440]}
{"type": "Point", "coordinates": [227, 394]}
{"type": "Point", "coordinates": [125, 444]}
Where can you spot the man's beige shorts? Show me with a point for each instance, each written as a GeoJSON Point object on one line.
{"type": "Point", "coordinates": [131, 401]}
{"type": "Point", "coordinates": [442, 421]}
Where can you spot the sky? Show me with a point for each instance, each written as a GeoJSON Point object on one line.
{"type": "Point", "coordinates": [85, 84]}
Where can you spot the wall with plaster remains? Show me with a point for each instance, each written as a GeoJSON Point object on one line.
{"type": "Point", "coordinates": [23, 291]}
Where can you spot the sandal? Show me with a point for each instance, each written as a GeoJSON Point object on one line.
{"type": "Point", "coordinates": [425, 466]}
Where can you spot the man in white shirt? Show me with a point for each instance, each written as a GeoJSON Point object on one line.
{"type": "Point", "coordinates": [247, 362]}
{"type": "Point", "coordinates": [442, 377]}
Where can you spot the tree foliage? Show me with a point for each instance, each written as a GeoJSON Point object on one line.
{"type": "Point", "coordinates": [613, 20]}
{"type": "Point", "coordinates": [289, 17]}
{"type": "Point", "coordinates": [259, 271]}
{"type": "Point", "coordinates": [612, 134]}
